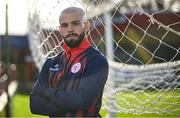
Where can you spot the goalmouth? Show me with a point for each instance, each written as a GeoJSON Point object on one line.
{"type": "Point", "coordinates": [140, 38]}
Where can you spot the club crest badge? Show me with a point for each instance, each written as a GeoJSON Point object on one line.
{"type": "Point", "coordinates": [76, 67]}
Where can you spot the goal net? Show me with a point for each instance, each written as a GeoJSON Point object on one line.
{"type": "Point", "coordinates": [141, 39]}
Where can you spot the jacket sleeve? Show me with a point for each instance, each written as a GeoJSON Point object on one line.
{"type": "Point", "coordinates": [91, 84]}
{"type": "Point", "coordinates": [39, 104]}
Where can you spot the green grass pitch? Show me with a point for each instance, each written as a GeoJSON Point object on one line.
{"type": "Point", "coordinates": [126, 101]}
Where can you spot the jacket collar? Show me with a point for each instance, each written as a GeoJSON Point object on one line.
{"type": "Point", "coordinates": [76, 51]}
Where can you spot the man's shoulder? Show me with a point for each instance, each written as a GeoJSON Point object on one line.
{"type": "Point", "coordinates": [94, 51]}
{"type": "Point", "coordinates": [54, 59]}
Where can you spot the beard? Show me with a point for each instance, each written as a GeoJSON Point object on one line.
{"type": "Point", "coordinates": [73, 43]}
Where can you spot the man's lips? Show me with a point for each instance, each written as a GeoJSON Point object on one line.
{"type": "Point", "coordinates": [71, 36]}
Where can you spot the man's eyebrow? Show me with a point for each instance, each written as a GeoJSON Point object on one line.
{"type": "Point", "coordinates": [63, 23]}
{"type": "Point", "coordinates": [71, 22]}
{"type": "Point", "coordinates": [76, 21]}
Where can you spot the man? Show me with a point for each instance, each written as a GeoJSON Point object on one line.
{"type": "Point", "coordinates": [71, 84]}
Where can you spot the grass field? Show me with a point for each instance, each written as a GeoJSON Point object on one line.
{"type": "Point", "coordinates": [20, 106]}
{"type": "Point", "coordinates": [148, 104]}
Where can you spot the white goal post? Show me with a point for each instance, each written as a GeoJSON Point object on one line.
{"type": "Point", "coordinates": [141, 39]}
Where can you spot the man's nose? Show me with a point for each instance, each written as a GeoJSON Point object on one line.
{"type": "Point", "coordinates": [70, 28]}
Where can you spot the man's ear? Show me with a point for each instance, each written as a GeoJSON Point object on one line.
{"type": "Point", "coordinates": [87, 25]}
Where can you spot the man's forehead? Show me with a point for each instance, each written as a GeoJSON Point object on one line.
{"type": "Point", "coordinates": [66, 17]}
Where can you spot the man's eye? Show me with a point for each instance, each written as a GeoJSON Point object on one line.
{"type": "Point", "coordinates": [76, 23]}
{"type": "Point", "coordinates": [64, 25]}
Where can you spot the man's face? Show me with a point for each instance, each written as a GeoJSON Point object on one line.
{"type": "Point", "coordinates": [72, 28]}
